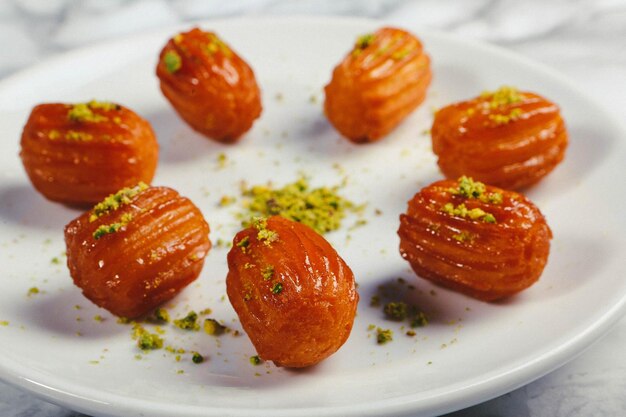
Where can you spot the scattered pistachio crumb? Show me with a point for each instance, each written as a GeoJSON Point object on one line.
{"type": "Point", "coordinates": [213, 327]}
{"type": "Point", "coordinates": [410, 333]}
{"type": "Point", "coordinates": [4, 323]}
{"type": "Point", "coordinates": [189, 322]}
{"type": "Point", "coordinates": [383, 336]}
{"type": "Point", "coordinates": [55, 261]}
{"type": "Point", "coordinates": [396, 310]}
{"type": "Point", "coordinates": [145, 339]}
{"type": "Point", "coordinates": [161, 315]}
{"type": "Point", "coordinates": [255, 360]}
{"type": "Point", "coordinates": [33, 291]}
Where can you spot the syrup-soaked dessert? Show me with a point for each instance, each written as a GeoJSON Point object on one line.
{"type": "Point", "coordinates": [209, 85]}
{"type": "Point", "coordinates": [78, 154]}
{"type": "Point", "coordinates": [137, 249]}
{"type": "Point", "coordinates": [480, 240]}
{"type": "Point", "coordinates": [379, 83]}
{"type": "Point", "coordinates": [294, 295]}
{"type": "Point", "coordinates": [506, 138]}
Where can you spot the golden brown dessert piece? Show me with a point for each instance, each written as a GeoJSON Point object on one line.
{"type": "Point", "coordinates": [78, 154]}
{"type": "Point", "coordinates": [137, 249]}
{"type": "Point", "coordinates": [480, 240]}
{"type": "Point", "coordinates": [380, 82]}
{"type": "Point", "coordinates": [507, 138]}
{"type": "Point", "coordinates": [209, 85]}
{"type": "Point", "coordinates": [295, 297]}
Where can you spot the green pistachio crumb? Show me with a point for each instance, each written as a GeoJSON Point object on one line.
{"type": "Point", "coordinates": [145, 339]}
{"type": "Point", "coordinates": [383, 336]}
{"type": "Point", "coordinates": [268, 272]}
{"type": "Point", "coordinates": [106, 229]}
{"type": "Point", "coordinates": [396, 310]}
{"type": "Point", "coordinates": [161, 315]}
{"type": "Point", "coordinates": [189, 322]}
{"type": "Point", "coordinates": [197, 358]}
{"type": "Point", "coordinates": [264, 234]}
{"type": "Point", "coordinates": [277, 288]}
{"type": "Point", "coordinates": [213, 327]}
{"type": "Point", "coordinates": [419, 320]}
{"type": "Point", "coordinates": [172, 61]}
{"type": "Point", "coordinates": [115, 201]}
{"type": "Point", "coordinates": [464, 212]}
{"type": "Point", "coordinates": [364, 41]}
{"type": "Point", "coordinates": [82, 112]}
{"type": "Point", "coordinates": [78, 136]}
{"type": "Point", "coordinates": [504, 96]}
{"type": "Point", "coordinates": [410, 333]}
{"type": "Point", "coordinates": [255, 360]}
{"type": "Point", "coordinates": [33, 291]}
{"type": "Point", "coordinates": [243, 244]}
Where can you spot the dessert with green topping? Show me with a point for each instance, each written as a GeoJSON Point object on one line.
{"type": "Point", "coordinates": [507, 138]}
{"type": "Point", "coordinates": [489, 243]}
{"type": "Point", "coordinates": [79, 153]}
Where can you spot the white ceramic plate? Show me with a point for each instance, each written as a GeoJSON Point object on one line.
{"type": "Point", "coordinates": [469, 352]}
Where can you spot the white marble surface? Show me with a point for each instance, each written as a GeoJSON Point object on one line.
{"type": "Point", "coordinates": [584, 39]}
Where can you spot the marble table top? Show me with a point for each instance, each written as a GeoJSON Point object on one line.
{"type": "Point", "coordinates": [583, 39]}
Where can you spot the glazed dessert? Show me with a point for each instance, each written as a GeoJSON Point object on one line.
{"type": "Point", "coordinates": [137, 249]}
{"type": "Point", "coordinates": [78, 154]}
{"type": "Point", "coordinates": [506, 138]}
{"type": "Point", "coordinates": [480, 240]}
{"type": "Point", "coordinates": [378, 84]}
{"type": "Point", "coordinates": [294, 295]}
{"type": "Point", "coordinates": [209, 85]}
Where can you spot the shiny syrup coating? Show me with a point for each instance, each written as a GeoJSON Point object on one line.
{"type": "Point", "coordinates": [488, 261]}
{"type": "Point", "coordinates": [301, 312]}
{"type": "Point", "coordinates": [379, 83]}
{"type": "Point", "coordinates": [468, 140]}
{"type": "Point", "coordinates": [81, 162]}
{"type": "Point", "coordinates": [212, 88]}
{"type": "Point", "coordinates": [145, 263]}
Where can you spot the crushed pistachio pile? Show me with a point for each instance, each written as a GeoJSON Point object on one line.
{"type": "Point", "coordinates": [322, 208]}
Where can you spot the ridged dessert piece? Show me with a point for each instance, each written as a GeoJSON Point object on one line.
{"type": "Point", "coordinates": [506, 138]}
{"type": "Point", "coordinates": [78, 154]}
{"type": "Point", "coordinates": [294, 295]}
{"type": "Point", "coordinates": [137, 249]}
{"type": "Point", "coordinates": [377, 85]}
{"type": "Point", "coordinates": [211, 87]}
{"type": "Point", "coordinates": [480, 240]}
